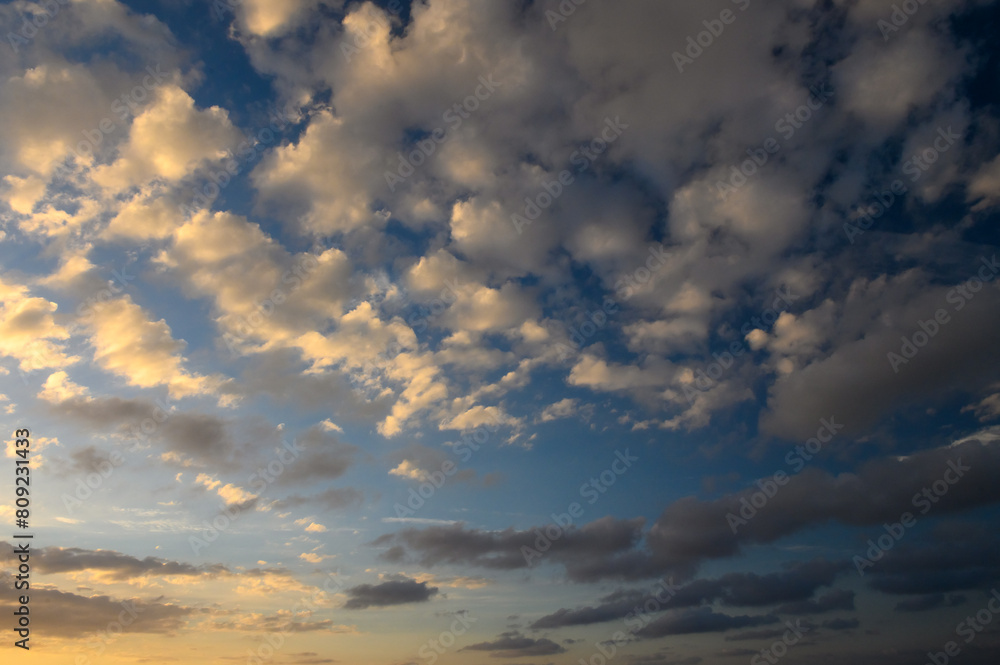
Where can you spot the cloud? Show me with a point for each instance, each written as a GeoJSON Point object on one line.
{"type": "Point", "coordinates": [582, 550]}
{"type": "Point", "coordinates": [231, 494]}
{"type": "Point", "coordinates": [324, 457]}
{"type": "Point", "coordinates": [929, 602]}
{"type": "Point", "coordinates": [513, 644]}
{"type": "Point", "coordinates": [194, 435]}
{"type": "Point", "coordinates": [417, 462]}
{"type": "Point", "coordinates": [837, 599]}
{"type": "Point", "coordinates": [957, 556]}
{"type": "Point", "coordinates": [59, 388]}
{"type": "Point", "coordinates": [703, 620]}
{"type": "Point", "coordinates": [114, 565]}
{"type": "Point", "coordinates": [127, 343]}
{"type": "Point", "coordinates": [267, 19]}
{"type": "Point", "coordinates": [61, 614]}
{"type": "Point", "coordinates": [690, 531]}
{"type": "Point", "coordinates": [394, 592]}
{"type": "Point", "coordinates": [168, 140]}
{"type": "Point", "coordinates": [564, 408]}
{"type": "Point", "coordinates": [29, 330]}
{"type": "Point", "coordinates": [797, 583]}
{"type": "Point", "coordinates": [953, 361]}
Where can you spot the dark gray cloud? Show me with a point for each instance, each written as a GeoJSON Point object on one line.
{"type": "Point", "coordinates": [841, 624]}
{"type": "Point", "coordinates": [278, 375]}
{"type": "Point", "coordinates": [837, 599]}
{"type": "Point", "coordinates": [957, 556]}
{"type": "Point", "coordinates": [856, 377]}
{"type": "Point", "coordinates": [733, 589]}
{"type": "Point", "coordinates": [701, 620]}
{"type": "Point", "coordinates": [929, 602]}
{"type": "Point", "coordinates": [82, 460]}
{"type": "Point", "coordinates": [664, 659]}
{"type": "Point", "coordinates": [691, 531]}
{"type": "Point", "coordinates": [394, 592]}
{"type": "Point", "coordinates": [324, 457]}
{"type": "Point", "coordinates": [60, 614]}
{"type": "Point", "coordinates": [578, 549]}
{"type": "Point", "coordinates": [200, 436]}
{"type": "Point", "coordinates": [54, 560]}
{"type": "Point", "coordinates": [513, 644]}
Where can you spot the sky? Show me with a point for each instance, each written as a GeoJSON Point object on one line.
{"type": "Point", "coordinates": [477, 332]}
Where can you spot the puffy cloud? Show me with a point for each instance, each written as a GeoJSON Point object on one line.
{"type": "Point", "coordinates": [564, 408]}
{"type": "Point", "coordinates": [231, 494]}
{"type": "Point", "coordinates": [168, 140]}
{"type": "Point", "coordinates": [30, 331]}
{"type": "Point", "coordinates": [268, 19]}
{"type": "Point", "coordinates": [856, 375]}
{"type": "Point", "coordinates": [127, 343]}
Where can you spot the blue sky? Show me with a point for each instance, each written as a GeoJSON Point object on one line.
{"type": "Point", "coordinates": [474, 322]}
